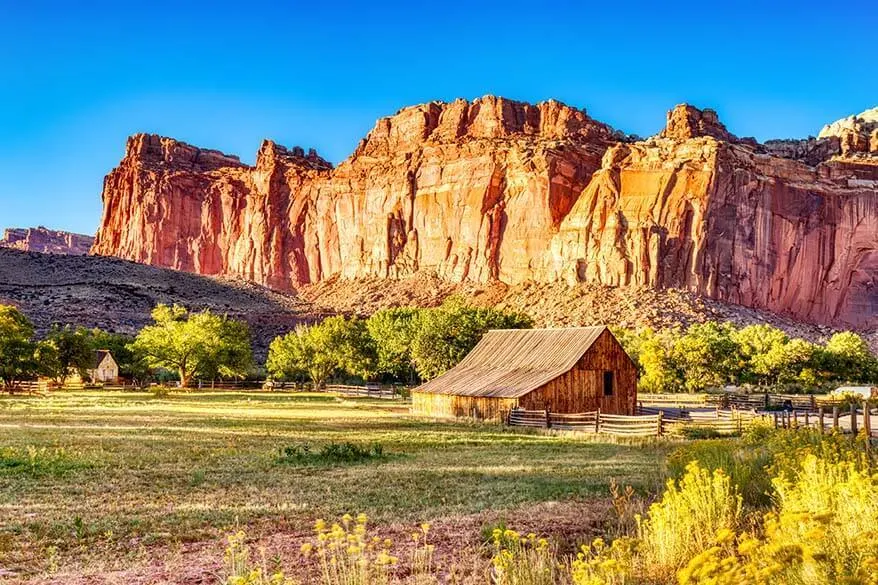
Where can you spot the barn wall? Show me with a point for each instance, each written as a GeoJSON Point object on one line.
{"type": "Point", "coordinates": [582, 388]}
{"type": "Point", "coordinates": [448, 405]}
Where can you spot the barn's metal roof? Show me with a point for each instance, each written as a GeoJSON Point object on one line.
{"type": "Point", "coordinates": [509, 363]}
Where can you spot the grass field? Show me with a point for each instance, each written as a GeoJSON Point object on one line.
{"type": "Point", "coordinates": [99, 479]}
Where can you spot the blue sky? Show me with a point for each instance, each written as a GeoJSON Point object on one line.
{"type": "Point", "coordinates": [76, 82]}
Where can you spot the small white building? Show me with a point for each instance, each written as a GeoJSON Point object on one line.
{"type": "Point", "coordinates": [105, 370]}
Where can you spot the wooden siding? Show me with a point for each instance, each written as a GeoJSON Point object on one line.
{"type": "Point", "coordinates": [449, 405]}
{"type": "Point", "coordinates": [582, 388]}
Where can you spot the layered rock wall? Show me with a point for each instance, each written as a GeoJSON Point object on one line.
{"type": "Point", "coordinates": [499, 190]}
{"type": "Point", "coordinates": [41, 239]}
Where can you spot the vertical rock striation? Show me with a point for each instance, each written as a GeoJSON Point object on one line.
{"type": "Point", "coordinates": [500, 190]}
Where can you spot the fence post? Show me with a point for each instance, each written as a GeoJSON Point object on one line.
{"type": "Point", "coordinates": [820, 419]}
{"type": "Point", "coordinates": [807, 419]}
{"type": "Point", "coordinates": [659, 430]}
{"type": "Point", "coordinates": [813, 402]}
{"type": "Point", "coordinates": [854, 418]}
{"type": "Point", "coordinates": [835, 418]}
{"type": "Point", "coordinates": [867, 422]}
{"type": "Point", "coordinates": [767, 402]}
{"type": "Point", "coordinates": [775, 419]}
{"type": "Point", "coordinates": [548, 422]}
{"type": "Point", "coordinates": [597, 422]}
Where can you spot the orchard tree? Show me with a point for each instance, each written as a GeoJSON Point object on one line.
{"type": "Point", "coordinates": [760, 352]}
{"type": "Point", "coordinates": [318, 351]}
{"type": "Point", "coordinates": [393, 331]}
{"type": "Point", "coordinates": [659, 371]}
{"type": "Point", "coordinates": [74, 351]}
{"type": "Point", "coordinates": [17, 348]}
{"type": "Point", "coordinates": [705, 355]}
{"type": "Point", "coordinates": [194, 344]}
{"type": "Point", "coordinates": [447, 333]}
{"type": "Point", "coordinates": [847, 357]}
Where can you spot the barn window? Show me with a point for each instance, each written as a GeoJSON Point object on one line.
{"type": "Point", "coordinates": [608, 383]}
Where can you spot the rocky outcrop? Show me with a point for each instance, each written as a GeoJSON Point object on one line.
{"type": "Point", "coordinates": [40, 239]}
{"type": "Point", "coordinates": [858, 135]}
{"type": "Point", "coordinates": [496, 190]}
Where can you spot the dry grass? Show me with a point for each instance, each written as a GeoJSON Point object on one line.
{"type": "Point", "coordinates": [132, 485]}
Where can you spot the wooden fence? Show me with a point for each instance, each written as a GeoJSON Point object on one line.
{"type": "Point", "coordinates": [730, 400]}
{"type": "Point", "coordinates": [649, 423]}
{"type": "Point", "coordinates": [370, 391]}
{"type": "Point", "coordinates": [659, 421]}
{"type": "Point", "coordinates": [853, 419]}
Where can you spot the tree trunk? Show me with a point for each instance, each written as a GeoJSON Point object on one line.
{"type": "Point", "coordinates": [185, 378]}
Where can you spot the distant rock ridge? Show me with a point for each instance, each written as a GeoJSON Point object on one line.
{"type": "Point", "coordinates": [858, 135]}
{"type": "Point", "coordinates": [41, 239]}
{"type": "Point", "coordinates": [499, 190]}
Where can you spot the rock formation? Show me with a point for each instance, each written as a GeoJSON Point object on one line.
{"type": "Point", "coordinates": [40, 239]}
{"type": "Point", "coordinates": [496, 190]}
{"type": "Point", "coordinates": [858, 134]}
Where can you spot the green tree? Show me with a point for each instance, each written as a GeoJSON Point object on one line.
{"type": "Point", "coordinates": [846, 356]}
{"type": "Point", "coordinates": [447, 333]}
{"type": "Point", "coordinates": [760, 352]}
{"type": "Point", "coordinates": [706, 355]}
{"type": "Point", "coordinates": [318, 351]}
{"type": "Point", "coordinates": [194, 344]}
{"type": "Point", "coordinates": [659, 372]}
{"type": "Point", "coordinates": [17, 348]}
{"type": "Point", "coordinates": [631, 340]}
{"type": "Point", "coordinates": [393, 331]}
{"type": "Point", "coordinates": [74, 352]}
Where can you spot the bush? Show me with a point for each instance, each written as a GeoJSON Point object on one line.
{"type": "Point", "coordinates": [241, 570]}
{"type": "Point", "coordinates": [686, 520]}
{"type": "Point", "coordinates": [330, 454]}
{"type": "Point", "coordinates": [523, 560]}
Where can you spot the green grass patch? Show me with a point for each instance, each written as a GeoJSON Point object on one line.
{"type": "Point", "coordinates": [38, 461]}
{"type": "Point", "coordinates": [346, 453]}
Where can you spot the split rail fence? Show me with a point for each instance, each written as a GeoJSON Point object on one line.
{"type": "Point", "coordinates": [385, 392]}
{"type": "Point", "coordinates": [657, 421]}
{"type": "Point", "coordinates": [650, 423]}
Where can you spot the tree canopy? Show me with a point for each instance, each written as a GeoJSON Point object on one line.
{"type": "Point", "coordinates": [195, 344]}
{"type": "Point", "coordinates": [18, 361]}
{"type": "Point", "coordinates": [318, 351]}
{"type": "Point", "coordinates": [447, 333]}
{"type": "Point", "coordinates": [399, 343]}
{"type": "Point", "coordinates": [711, 355]}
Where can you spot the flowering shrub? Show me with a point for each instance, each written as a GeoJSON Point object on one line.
{"type": "Point", "coordinates": [688, 516]}
{"type": "Point", "coordinates": [824, 531]}
{"type": "Point", "coordinates": [348, 555]}
{"type": "Point", "coordinates": [523, 560]}
{"type": "Point", "coordinates": [240, 569]}
{"type": "Point", "coordinates": [598, 564]}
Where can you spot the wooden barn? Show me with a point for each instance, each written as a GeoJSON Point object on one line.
{"type": "Point", "coordinates": [577, 369]}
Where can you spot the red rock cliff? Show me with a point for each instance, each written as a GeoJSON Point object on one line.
{"type": "Point", "coordinates": [496, 189]}
{"type": "Point", "coordinates": [41, 239]}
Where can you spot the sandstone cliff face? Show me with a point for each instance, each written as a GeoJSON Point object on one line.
{"type": "Point", "coordinates": [499, 190]}
{"type": "Point", "coordinates": [40, 239]}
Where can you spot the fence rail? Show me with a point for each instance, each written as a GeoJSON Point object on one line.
{"type": "Point", "coordinates": [386, 392]}
{"type": "Point", "coordinates": [650, 422]}
{"type": "Point", "coordinates": [657, 421]}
